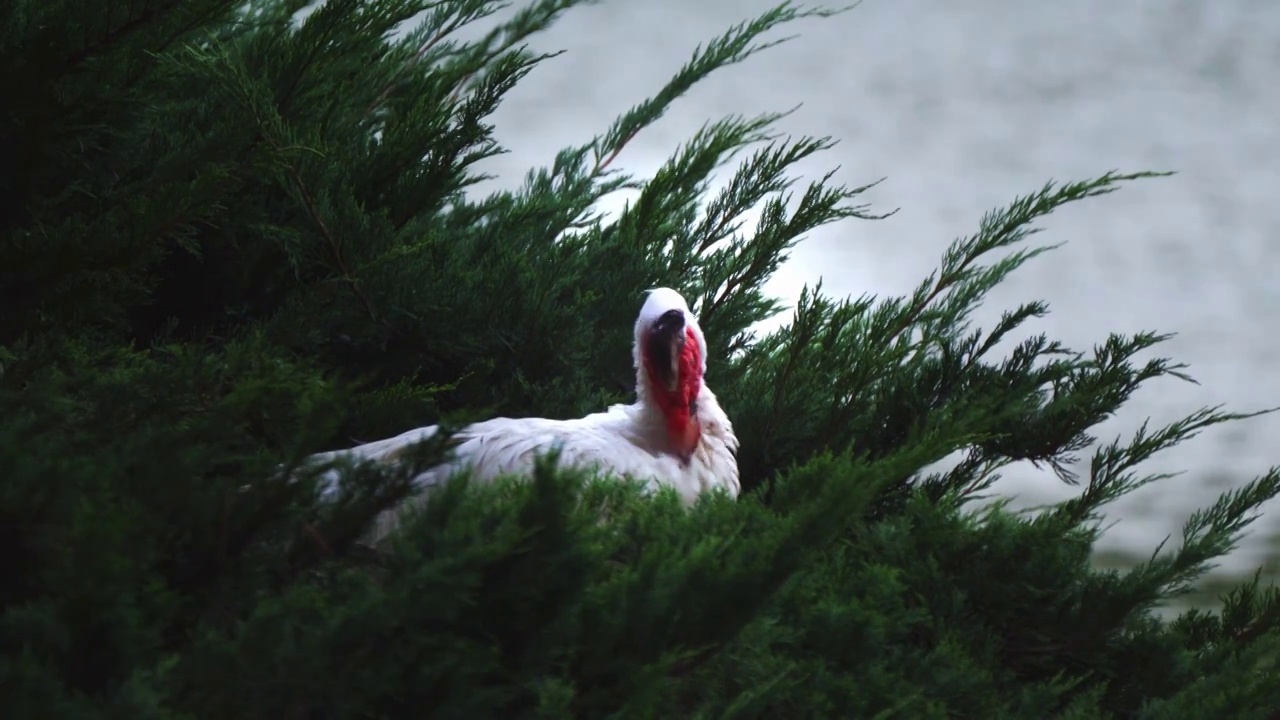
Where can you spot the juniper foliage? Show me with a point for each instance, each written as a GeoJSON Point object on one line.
{"type": "Point", "coordinates": [233, 237]}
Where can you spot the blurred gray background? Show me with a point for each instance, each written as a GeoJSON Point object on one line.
{"type": "Point", "coordinates": [962, 106]}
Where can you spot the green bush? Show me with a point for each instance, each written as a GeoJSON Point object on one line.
{"type": "Point", "coordinates": [231, 239]}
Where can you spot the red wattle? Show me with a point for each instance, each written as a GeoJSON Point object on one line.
{"type": "Point", "coordinates": [682, 428]}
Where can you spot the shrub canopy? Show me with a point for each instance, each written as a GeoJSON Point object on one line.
{"type": "Point", "coordinates": [232, 237]}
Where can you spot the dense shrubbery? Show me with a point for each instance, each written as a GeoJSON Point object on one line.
{"type": "Point", "coordinates": [230, 240]}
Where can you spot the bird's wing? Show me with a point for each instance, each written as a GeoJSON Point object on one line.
{"type": "Point", "coordinates": [387, 452]}
{"type": "Point", "coordinates": [511, 445]}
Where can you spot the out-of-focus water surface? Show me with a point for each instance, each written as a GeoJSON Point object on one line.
{"type": "Point", "coordinates": [962, 106]}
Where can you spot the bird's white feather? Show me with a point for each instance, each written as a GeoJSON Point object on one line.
{"type": "Point", "coordinates": [626, 440]}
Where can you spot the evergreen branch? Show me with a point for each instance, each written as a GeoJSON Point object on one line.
{"type": "Point", "coordinates": [443, 23]}
{"type": "Point", "coordinates": [820, 205]}
{"type": "Point", "coordinates": [999, 229]}
{"type": "Point", "coordinates": [1111, 476]}
{"type": "Point", "coordinates": [530, 20]}
{"type": "Point", "coordinates": [1009, 321]}
{"type": "Point", "coordinates": [331, 242]}
{"type": "Point", "coordinates": [809, 309]}
{"type": "Point", "coordinates": [109, 39]}
{"type": "Point", "coordinates": [734, 46]}
{"type": "Point", "coordinates": [603, 164]}
{"type": "Point", "coordinates": [1249, 612]}
{"type": "Point", "coordinates": [679, 181]}
{"type": "Point", "coordinates": [854, 348]}
{"type": "Point", "coordinates": [1207, 534]}
{"type": "Point", "coordinates": [758, 177]}
{"type": "Point", "coordinates": [1239, 685]}
{"type": "Point", "coordinates": [230, 72]}
{"type": "Point", "coordinates": [313, 212]}
{"type": "Point", "coordinates": [474, 59]}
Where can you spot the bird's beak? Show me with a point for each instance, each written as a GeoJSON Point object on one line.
{"type": "Point", "coordinates": [664, 347]}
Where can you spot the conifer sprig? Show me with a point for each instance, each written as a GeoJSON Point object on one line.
{"type": "Point", "coordinates": [734, 46]}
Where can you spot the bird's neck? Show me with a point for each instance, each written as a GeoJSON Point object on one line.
{"type": "Point", "coordinates": [684, 437]}
{"type": "Point", "coordinates": [676, 411]}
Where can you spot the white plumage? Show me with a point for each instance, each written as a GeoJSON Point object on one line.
{"type": "Point", "coordinates": [675, 434]}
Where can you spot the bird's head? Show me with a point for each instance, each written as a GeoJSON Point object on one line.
{"type": "Point", "coordinates": [671, 357]}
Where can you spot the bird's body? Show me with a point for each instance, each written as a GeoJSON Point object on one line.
{"type": "Point", "coordinates": [675, 434]}
{"type": "Point", "coordinates": [623, 440]}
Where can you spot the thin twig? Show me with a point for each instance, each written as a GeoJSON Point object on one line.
{"type": "Point", "coordinates": [318, 538]}
{"type": "Point", "coordinates": [334, 248]}
{"type": "Point", "coordinates": [462, 85]}
{"type": "Point", "coordinates": [600, 166]}
{"type": "Point", "coordinates": [313, 211]}
{"type": "Point", "coordinates": [441, 34]}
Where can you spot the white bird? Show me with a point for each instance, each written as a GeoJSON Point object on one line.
{"type": "Point", "coordinates": [675, 434]}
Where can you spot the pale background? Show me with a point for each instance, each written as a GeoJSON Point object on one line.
{"type": "Point", "coordinates": [962, 106]}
